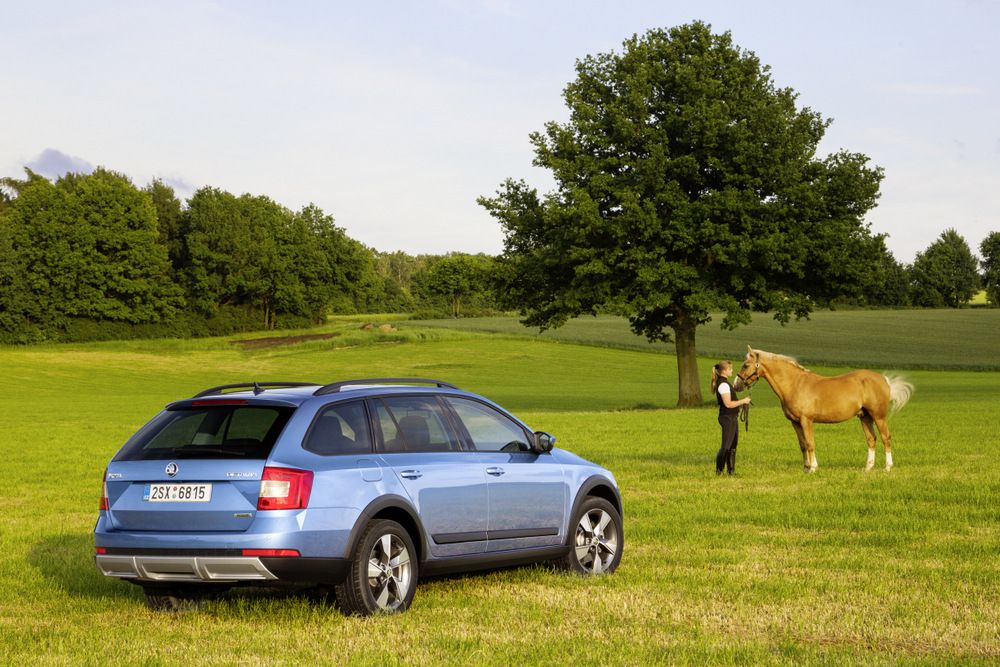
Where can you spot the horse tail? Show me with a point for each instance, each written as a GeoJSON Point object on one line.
{"type": "Point", "coordinates": [899, 392]}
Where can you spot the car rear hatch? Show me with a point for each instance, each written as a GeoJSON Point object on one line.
{"type": "Point", "coordinates": [196, 467]}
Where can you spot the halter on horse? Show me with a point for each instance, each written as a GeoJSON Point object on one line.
{"type": "Point", "coordinates": [807, 398]}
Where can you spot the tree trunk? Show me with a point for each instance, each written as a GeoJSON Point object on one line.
{"type": "Point", "coordinates": [688, 385]}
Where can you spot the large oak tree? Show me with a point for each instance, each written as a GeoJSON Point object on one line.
{"type": "Point", "coordinates": [687, 184]}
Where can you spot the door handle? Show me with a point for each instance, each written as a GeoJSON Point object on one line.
{"type": "Point", "coordinates": [496, 471]}
{"type": "Point", "coordinates": [411, 474]}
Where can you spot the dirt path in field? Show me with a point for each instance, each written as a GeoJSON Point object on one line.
{"type": "Point", "coordinates": [260, 343]}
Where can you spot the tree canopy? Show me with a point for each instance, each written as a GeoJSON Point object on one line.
{"type": "Point", "coordinates": [946, 273]}
{"type": "Point", "coordinates": [250, 251]}
{"type": "Point", "coordinates": [456, 278]}
{"type": "Point", "coordinates": [889, 281]}
{"type": "Point", "coordinates": [91, 256]}
{"type": "Point", "coordinates": [687, 183]}
{"type": "Point", "coordinates": [990, 251]}
{"type": "Point", "coordinates": [82, 247]}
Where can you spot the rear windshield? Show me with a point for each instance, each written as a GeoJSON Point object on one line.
{"type": "Point", "coordinates": [221, 432]}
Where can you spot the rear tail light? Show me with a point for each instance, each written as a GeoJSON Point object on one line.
{"type": "Point", "coordinates": [100, 550]}
{"type": "Point", "coordinates": [104, 490]}
{"type": "Point", "coordinates": [284, 489]}
{"type": "Point", "coordinates": [271, 552]}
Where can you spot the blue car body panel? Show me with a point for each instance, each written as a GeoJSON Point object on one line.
{"type": "Point", "coordinates": [448, 494]}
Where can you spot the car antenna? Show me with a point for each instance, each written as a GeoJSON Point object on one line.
{"type": "Point", "coordinates": [257, 389]}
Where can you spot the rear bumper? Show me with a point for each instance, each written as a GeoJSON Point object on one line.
{"type": "Point", "coordinates": [220, 568]}
{"type": "Point", "coordinates": [215, 569]}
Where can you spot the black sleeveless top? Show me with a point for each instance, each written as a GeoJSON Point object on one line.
{"type": "Point", "coordinates": [723, 410]}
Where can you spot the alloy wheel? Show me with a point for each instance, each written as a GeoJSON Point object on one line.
{"type": "Point", "coordinates": [389, 572]}
{"type": "Point", "coordinates": [596, 541]}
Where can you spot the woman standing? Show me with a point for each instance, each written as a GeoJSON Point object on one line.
{"type": "Point", "coordinates": [729, 410]}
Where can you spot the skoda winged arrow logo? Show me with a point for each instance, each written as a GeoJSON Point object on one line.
{"type": "Point", "coordinates": [171, 469]}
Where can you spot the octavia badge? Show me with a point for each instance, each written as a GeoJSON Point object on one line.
{"type": "Point", "coordinates": [172, 469]}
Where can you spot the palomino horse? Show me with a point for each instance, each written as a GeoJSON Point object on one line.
{"type": "Point", "coordinates": [807, 398]}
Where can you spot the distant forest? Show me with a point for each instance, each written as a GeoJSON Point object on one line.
{"type": "Point", "coordinates": [93, 257]}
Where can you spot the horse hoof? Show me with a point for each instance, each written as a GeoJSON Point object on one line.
{"type": "Point", "coordinates": [888, 468]}
{"type": "Point", "coordinates": [869, 467]}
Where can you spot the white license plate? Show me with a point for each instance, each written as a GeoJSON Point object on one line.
{"type": "Point", "coordinates": [177, 493]}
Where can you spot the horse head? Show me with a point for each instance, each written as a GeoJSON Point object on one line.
{"type": "Point", "coordinates": [749, 372]}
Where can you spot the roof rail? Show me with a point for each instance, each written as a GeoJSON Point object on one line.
{"type": "Point", "coordinates": [257, 387]}
{"type": "Point", "coordinates": [337, 386]}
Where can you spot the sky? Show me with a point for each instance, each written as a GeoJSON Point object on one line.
{"type": "Point", "coordinates": [394, 117]}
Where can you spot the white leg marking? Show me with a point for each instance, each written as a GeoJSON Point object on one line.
{"type": "Point", "coordinates": [888, 461]}
{"type": "Point", "coordinates": [871, 460]}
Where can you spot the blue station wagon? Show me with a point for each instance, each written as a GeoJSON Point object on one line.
{"type": "Point", "coordinates": [359, 486]}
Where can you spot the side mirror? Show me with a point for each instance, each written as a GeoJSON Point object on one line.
{"type": "Point", "coordinates": [544, 442]}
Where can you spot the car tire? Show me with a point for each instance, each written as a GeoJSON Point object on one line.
{"type": "Point", "coordinates": [596, 539]}
{"type": "Point", "coordinates": [382, 575]}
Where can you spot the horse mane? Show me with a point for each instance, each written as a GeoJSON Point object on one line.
{"type": "Point", "coordinates": [783, 357]}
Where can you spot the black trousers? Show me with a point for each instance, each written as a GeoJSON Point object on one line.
{"type": "Point", "coordinates": [730, 437]}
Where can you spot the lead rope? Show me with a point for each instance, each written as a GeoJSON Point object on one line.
{"type": "Point", "coordinates": [745, 412]}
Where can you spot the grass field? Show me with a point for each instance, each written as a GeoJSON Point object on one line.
{"type": "Point", "coordinates": [964, 339]}
{"type": "Point", "coordinates": [769, 567]}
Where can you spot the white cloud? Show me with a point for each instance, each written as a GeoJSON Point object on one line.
{"type": "Point", "coordinates": [182, 188]}
{"type": "Point", "coordinates": [53, 163]}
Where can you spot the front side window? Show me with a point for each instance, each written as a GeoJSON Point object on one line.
{"type": "Point", "coordinates": [490, 430]}
{"type": "Point", "coordinates": [341, 428]}
{"type": "Point", "coordinates": [413, 424]}
{"type": "Point", "coordinates": [227, 432]}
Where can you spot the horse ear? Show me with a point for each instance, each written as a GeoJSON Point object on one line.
{"type": "Point", "coordinates": [749, 349]}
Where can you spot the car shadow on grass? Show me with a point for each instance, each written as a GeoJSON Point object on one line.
{"type": "Point", "coordinates": [67, 560]}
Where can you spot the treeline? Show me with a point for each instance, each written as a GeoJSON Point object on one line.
{"type": "Point", "coordinates": [945, 274]}
{"type": "Point", "coordinates": [91, 256]}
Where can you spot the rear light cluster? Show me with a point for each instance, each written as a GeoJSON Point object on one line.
{"type": "Point", "coordinates": [284, 489]}
{"type": "Point", "coordinates": [104, 490]}
{"type": "Point", "coordinates": [270, 552]}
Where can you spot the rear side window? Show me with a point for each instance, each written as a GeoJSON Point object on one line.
{"type": "Point", "coordinates": [413, 424]}
{"type": "Point", "coordinates": [223, 432]}
{"type": "Point", "coordinates": [341, 428]}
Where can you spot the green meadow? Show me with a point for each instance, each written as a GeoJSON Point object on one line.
{"type": "Point", "coordinates": [964, 339]}
{"type": "Point", "coordinates": [771, 566]}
